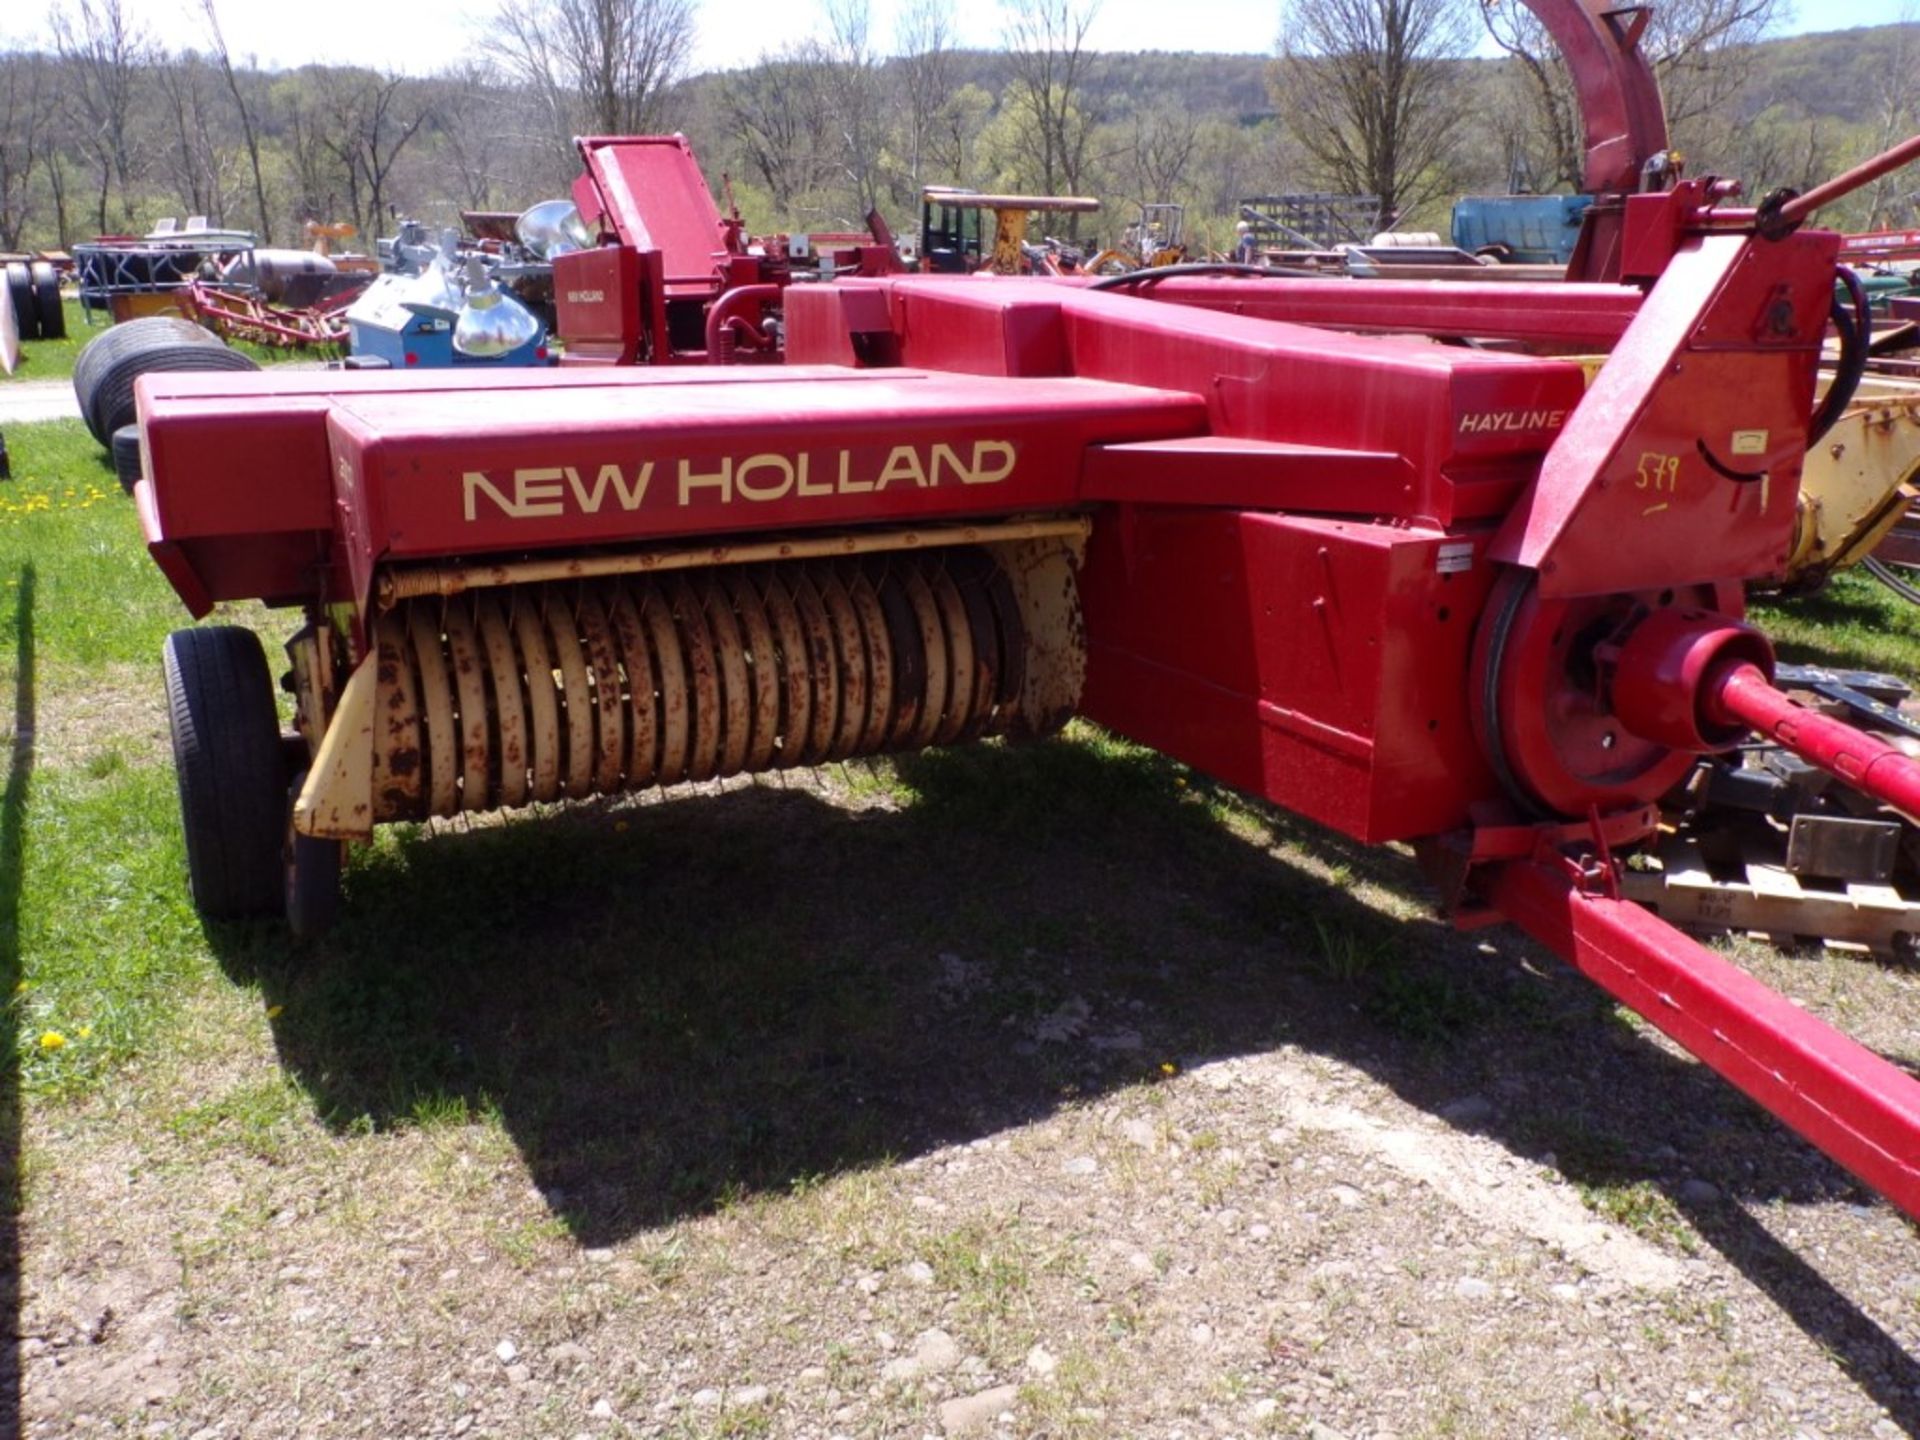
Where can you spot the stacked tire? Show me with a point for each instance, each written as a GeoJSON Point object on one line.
{"type": "Point", "coordinates": [104, 373]}
{"type": "Point", "coordinates": [37, 310]}
{"type": "Point", "coordinates": [128, 463]}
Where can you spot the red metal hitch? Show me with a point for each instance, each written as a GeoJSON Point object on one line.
{"type": "Point", "coordinates": [1858, 1108]}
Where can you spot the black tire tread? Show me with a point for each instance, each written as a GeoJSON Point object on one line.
{"type": "Point", "coordinates": [228, 762]}
{"type": "Point", "coordinates": [106, 352]}
{"type": "Point", "coordinates": [26, 314]}
{"type": "Point", "coordinates": [46, 299]}
{"type": "Point", "coordinates": [113, 401]}
{"type": "Point", "coordinates": [126, 456]}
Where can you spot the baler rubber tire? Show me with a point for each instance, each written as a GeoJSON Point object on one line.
{"type": "Point", "coordinates": [105, 370]}
{"type": "Point", "coordinates": [26, 314]}
{"type": "Point", "coordinates": [126, 456]}
{"type": "Point", "coordinates": [46, 299]}
{"type": "Point", "coordinates": [231, 770]}
{"type": "Point", "coordinates": [310, 870]}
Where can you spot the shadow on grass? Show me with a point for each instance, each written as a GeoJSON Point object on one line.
{"type": "Point", "coordinates": [13, 818]}
{"type": "Point", "coordinates": [672, 1005]}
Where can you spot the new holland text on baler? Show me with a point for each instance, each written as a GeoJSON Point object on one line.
{"type": "Point", "coordinates": [1453, 596]}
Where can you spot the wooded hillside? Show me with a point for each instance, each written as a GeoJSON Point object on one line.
{"type": "Point", "coordinates": [103, 129]}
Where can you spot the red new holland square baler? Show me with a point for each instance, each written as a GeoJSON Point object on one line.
{"type": "Point", "coordinates": [1453, 595]}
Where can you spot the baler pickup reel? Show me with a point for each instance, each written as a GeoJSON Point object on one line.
{"type": "Point", "coordinates": [1452, 596]}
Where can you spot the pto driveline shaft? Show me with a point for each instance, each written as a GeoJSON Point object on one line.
{"type": "Point", "coordinates": [1743, 695]}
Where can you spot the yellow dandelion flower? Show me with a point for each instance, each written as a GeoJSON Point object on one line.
{"type": "Point", "coordinates": [1167, 1067]}
{"type": "Point", "coordinates": [85, 1032]}
{"type": "Point", "coordinates": [53, 1040]}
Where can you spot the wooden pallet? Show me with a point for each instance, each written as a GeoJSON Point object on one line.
{"type": "Point", "coordinates": [1762, 898]}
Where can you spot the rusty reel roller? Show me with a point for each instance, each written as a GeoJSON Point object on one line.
{"type": "Point", "coordinates": [535, 693]}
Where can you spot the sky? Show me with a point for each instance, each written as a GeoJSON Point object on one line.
{"type": "Point", "coordinates": [424, 35]}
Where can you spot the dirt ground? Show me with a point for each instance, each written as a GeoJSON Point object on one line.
{"type": "Point", "coordinates": [1023, 1093]}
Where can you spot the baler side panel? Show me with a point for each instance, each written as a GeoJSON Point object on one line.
{"type": "Point", "coordinates": [1471, 425]}
{"type": "Point", "coordinates": [232, 471]}
{"type": "Point", "coordinates": [1250, 475]}
{"type": "Point", "coordinates": [243, 480]}
{"type": "Point", "coordinates": [238, 506]}
{"type": "Point", "coordinates": [248, 388]}
{"type": "Point", "coordinates": [1288, 655]}
{"type": "Point", "coordinates": [596, 299]}
{"type": "Point", "coordinates": [445, 475]}
{"type": "Point", "coordinates": [362, 516]}
{"type": "Point", "coordinates": [979, 327]}
{"type": "Point", "coordinates": [825, 322]}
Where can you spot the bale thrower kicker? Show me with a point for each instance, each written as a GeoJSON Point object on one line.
{"type": "Point", "coordinates": [1448, 596]}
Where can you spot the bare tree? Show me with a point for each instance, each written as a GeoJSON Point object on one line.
{"type": "Point", "coordinates": [953, 134]}
{"type": "Point", "coordinates": [599, 66]}
{"type": "Point", "coordinates": [371, 119]}
{"type": "Point", "coordinates": [1701, 52]}
{"type": "Point", "coordinates": [1163, 139]}
{"type": "Point", "coordinates": [779, 114]}
{"type": "Point", "coordinates": [1368, 88]}
{"type": "Point", "coordinates": [249, 128]}
{"type": "Point", "coordinates": [467, 110]}
{"type": "Point", "coordinates": [853, 83]}
{"type": "Point", "coordinates": [314, 170]}
{"type": "Point", "coordinates": [1896, 114]}
{"type": "Point", "coordinates": [23, 134]}
{"type": "Point", "coordinates": [1785, 146]}
{"type": "Point", "coordinates": [193, 159]}
{"type": "Point", "coordinates": [55, 167]}
{"type": "Point", "coordinates": [104, 51]}
{"type": "Point", "coordinates": [1231, 161]}
{"type": "Point", "coordinates": [1047, 50]}
{"type": "Point", "coordinates": [1544, 145]}
{"type": "Point", "coordinates": [923, 39]}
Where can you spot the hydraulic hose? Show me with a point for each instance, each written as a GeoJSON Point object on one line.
{"type": "Point", "coordinates": [1856, 343]}
{"type": "Point", "coordinates": [1151, 274]}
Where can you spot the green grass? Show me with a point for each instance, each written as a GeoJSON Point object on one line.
{"type": "Point", "coordinates": [105, 920]}
{"type": "Point", "coordinates": [90, 897]}
{"type": "Point", "coordinates": [1641, 1207]}
{"type": "Point", "coordinates": [99, 597]}
{"type": "Point", "coordinates": [1855, 623]}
